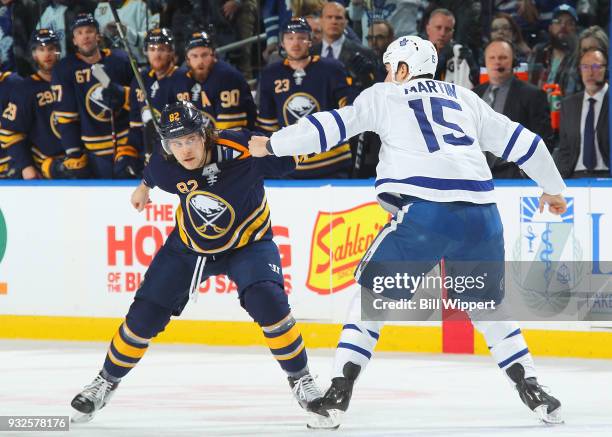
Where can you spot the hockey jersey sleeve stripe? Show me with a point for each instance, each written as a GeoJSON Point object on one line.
{"type": "Point", "coordinates": [340, 123]}
{"type": "Point", "coordinates": [512, 141]}
{"type": "Point", "coordinates": [230, 124]}
{"type": "Point", "coordinates": [232, 116]}
{"type": "Point", "coordinates": [322, 139]}
{"type": "Point", "coordinates": [441, 184]}
{"type": "Point", "coordinates": [531, 150]}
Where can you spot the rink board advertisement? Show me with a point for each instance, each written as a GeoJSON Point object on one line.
{"type": "Point", "coordinates": [69, 250]}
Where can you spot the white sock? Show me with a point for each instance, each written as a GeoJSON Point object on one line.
{"type": "Point", "coordinates": [357, 340]}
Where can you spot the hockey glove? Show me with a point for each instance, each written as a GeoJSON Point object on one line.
{"type": "Point", "coordinates": [73, 166]}
{"type": "Point", "coordinates": [114, 96]}
{"type": "Point", "coordinates": [127, 164]}
{"type": "Point", "coordinates": [361, 64]}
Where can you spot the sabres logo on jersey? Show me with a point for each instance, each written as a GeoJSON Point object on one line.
{"type": "Point", "coordinates": [299, 105]}
{"type": "Point", "coordinates": [94, 104]}
{"type": "Point", "coordinates": [210, 215]}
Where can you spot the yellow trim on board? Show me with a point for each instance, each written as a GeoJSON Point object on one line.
{"type": "Point", "coordinates": [578, 344]}
{"type": "Point", "coordinates": [585, 344]}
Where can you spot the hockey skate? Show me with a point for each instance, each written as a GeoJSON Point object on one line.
{"type": "Point", "coordinates": [546, 407]}
{"type": "Point", "coordinates": [306, 392]}
{"type": "Point", "coordinates": [336, 400]}
{"type": "Point", "coordinates": [92, 399]}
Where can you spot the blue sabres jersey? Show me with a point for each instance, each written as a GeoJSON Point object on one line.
{"type": "Point", "coordinates": [159, 93]}
{"type": "Point", "coordinates": [224, 97]}
{"type": "Point", "coordinates": [29, 125]}
{"type": "Point", "coordinates": [8, 81]}
{"type": "Point", "coordinates": [82, 117]}
{"type": "Point", "coordinates": [286, 95]}
{"type": "Point", "coordinates": [223, 206]}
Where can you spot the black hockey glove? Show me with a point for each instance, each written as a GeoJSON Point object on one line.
{"type": "Point", "coordinates": [114, 96]}
{"type": "Point", "coordinates": [361, 65]}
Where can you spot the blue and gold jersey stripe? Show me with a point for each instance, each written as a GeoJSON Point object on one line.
{"type": "Point", "coordinates": [329, 158]}
{"type": "Point", "coordinates": [103, 144]}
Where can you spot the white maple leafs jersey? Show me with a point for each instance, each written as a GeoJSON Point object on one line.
{"type": "Point", "coordinates": [433, 137]}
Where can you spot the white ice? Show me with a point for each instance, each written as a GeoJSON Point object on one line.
{"type": "Point", "coordinates": [219, 391]}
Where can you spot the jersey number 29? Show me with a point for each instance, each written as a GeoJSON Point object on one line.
{"type": "Point", "coordinates": [437, 106]}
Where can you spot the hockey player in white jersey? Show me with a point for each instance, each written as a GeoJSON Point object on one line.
{"type": "Point", "coordinates": [434, 178]}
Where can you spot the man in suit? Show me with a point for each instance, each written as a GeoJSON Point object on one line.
{"type": "Point", "coordinates": [360, 61]}
{"type": "Point", "coordinates": [519, 101]}
{"type": "Point", "coordinates": [584, 135]}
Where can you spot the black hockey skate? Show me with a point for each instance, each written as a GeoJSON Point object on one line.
{"type": "Point", "coordinates": [546, 407]}
{"type": "Point", "coordinates": [337, 398]}
{"type": "Point", "coordinates": [306, 392]}
{"type": "Point", "coordinates": [92, 399]}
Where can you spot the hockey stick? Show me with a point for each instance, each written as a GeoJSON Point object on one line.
{"type": "Point", "coordinates": [138, 77]}
{"type": "Point", "coordinates": [98, 72]}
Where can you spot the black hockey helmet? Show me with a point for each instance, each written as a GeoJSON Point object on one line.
{"type": "Point", "coordinates": [199, 39]}
{"type": "Point", "coordinates": [159, 35]}
{"type": "Point", "coordinates": [84, 20]}
{"type": "Point", "coordinates": [179, 119]}
{"type": "Point", "coordinates": [44, 37]}
{"type": "Point", "coordinates": [296, 25]}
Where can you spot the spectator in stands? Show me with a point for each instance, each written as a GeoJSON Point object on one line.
{"type": "Point", "coordinates": [359, 60]}
{"type": "Point", "coordinates": [136, 19]}
{"type": "Point", "coordinates": [440, 30]}
{"type": "Point", "coordinates": [518, 100]}
{"type": "Point", "coordinates": [550, 61]}
{"type": "Point", "coordinates": [584, 138]}
{"type": "Point", "coordinates": [403, 15]}
{"type": "Point", "coordinates": [466, 14]}
{"type": "Point", "coordinates": [315, 24]}
{"type": "Point", "coordinates": [243, 14]}
{"type": "Point", "coordinates": [593, 37]}
{"type": "Point", "coordinates": [17, 21]}
{"type": "Point", "coordinates": [504, 26]}
{"type": "Point", "coordinates": [380, 35]}
{"type": "Point", "coordinates": [58, 14]}
{"type": "Point", "coordinates": [275, 14]}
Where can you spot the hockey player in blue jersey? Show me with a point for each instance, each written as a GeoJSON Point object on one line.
{"type": "Point", "coordinates": [8, 82]}
{"type": "Point", "coordinates": [302, 84]}
{"type": "Point", "coordinates": [215, 87]}
{"type": "Point", "coordinates": [434, 178]}
{"type": "Point", "coordinates": [92, 119]}
{"type": "Point", "coordinates": [29, 126]}
{"type": "Point", "coordinates": [222, 227]}
{"type": "Point", "coordinates": [160, 51]}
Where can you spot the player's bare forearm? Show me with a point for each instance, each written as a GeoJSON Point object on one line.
{"type": "Point", "coordinates": [258, 146]}
{"type": "Point", "coordinates": [556, 203]}
{"type": "Point", "coordinates": [140, 197]}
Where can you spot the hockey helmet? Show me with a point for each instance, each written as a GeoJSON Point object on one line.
{"type": "Point", "coordinates": [199, 39]}
{"type": "Point", "coordinates": [84, 20]}
{"type": "Point", "coordinates": [297, 25]}
{"type": "Point", "coordinates": [179, 119]}
{"type": "Point", "coordinates": [418, 54]}
{"type": "Point", "coordinates": [44, 37]}
{"type": "Point", "coordinates": [157, 36]}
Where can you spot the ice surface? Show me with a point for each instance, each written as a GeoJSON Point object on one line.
{"type": "Point", "coordinates": [179, 390]}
